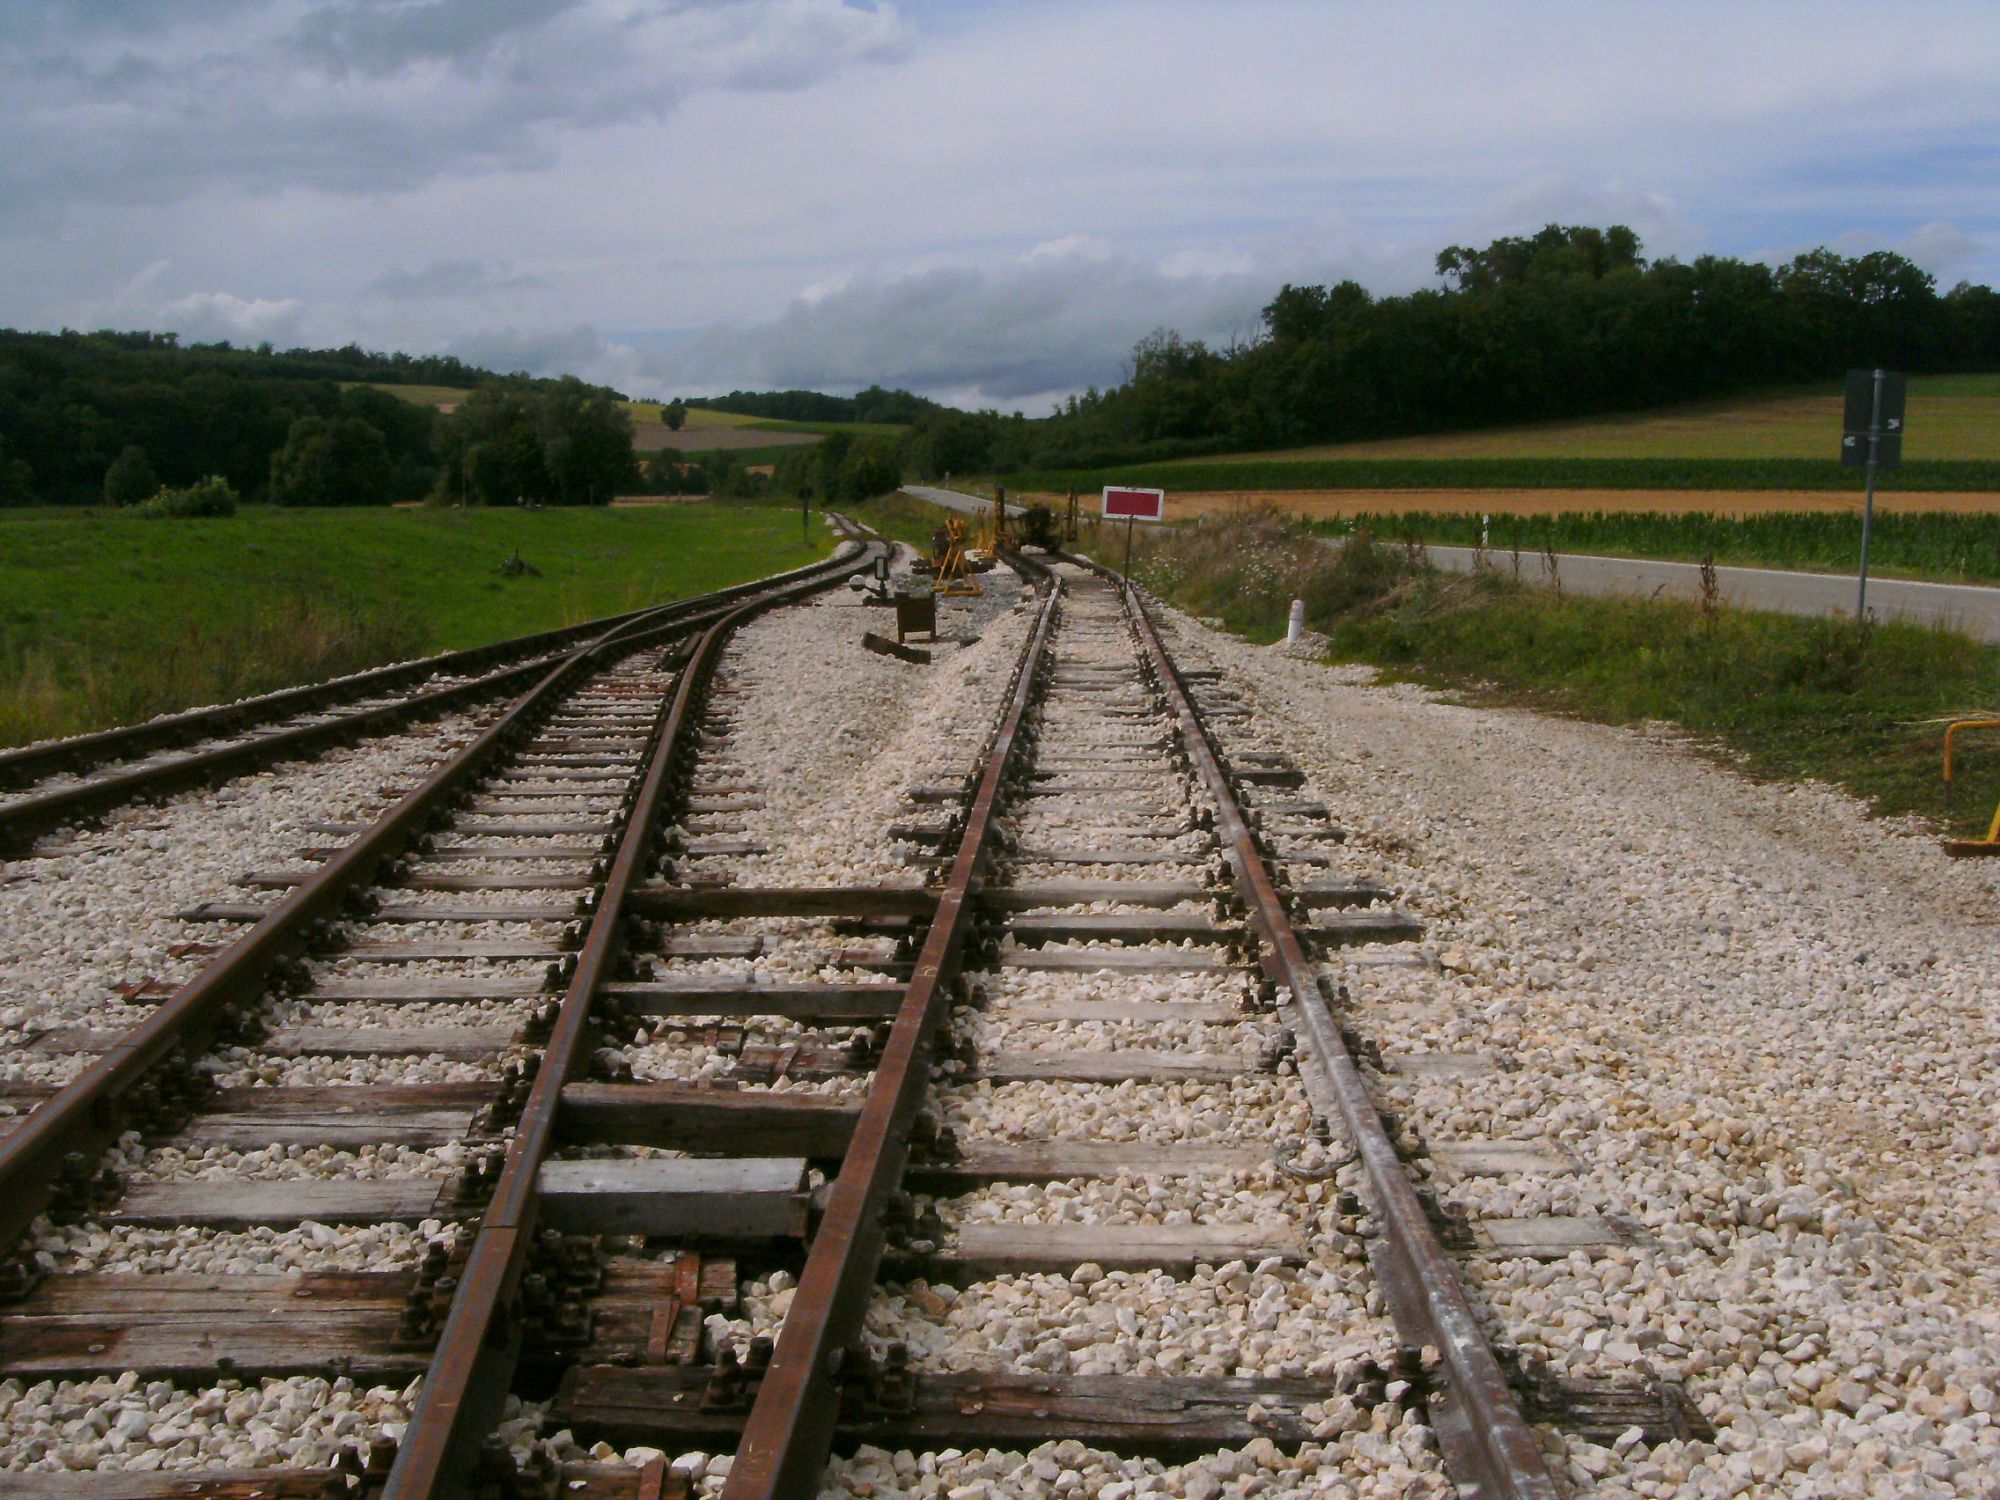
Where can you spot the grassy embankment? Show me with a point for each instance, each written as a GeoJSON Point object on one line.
{"type": "Point", "coordinates": [105, 619]}
{"type": "Point", "coordinates": [1792, 697]}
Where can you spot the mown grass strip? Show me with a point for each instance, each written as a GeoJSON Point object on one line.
{"type": "Point", "coordinates": [1519, 473]}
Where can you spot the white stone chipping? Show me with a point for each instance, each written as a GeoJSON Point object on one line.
{"type": "Point", "coordinates": [1743, 1020]}
{"type": "Point", "coordinates": [1763, 1026]}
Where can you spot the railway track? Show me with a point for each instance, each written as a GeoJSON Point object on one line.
{"type": "Point", "coordinates": [46, 786]}
{"type": "Point", "coordinates": [1050, 1147]}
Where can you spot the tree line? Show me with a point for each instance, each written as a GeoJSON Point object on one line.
{"type": "Point", "coordinates": [116, 417]}
{"type": "Point", "coordinates": [1571, 321]}
{"type": "Point", "coordinates": [894, 408]}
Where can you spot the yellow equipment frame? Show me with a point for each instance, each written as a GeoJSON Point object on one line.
{"type": "Point", "coordinates": [954, 579]}
{"type": "Point", "coordinates": [1962, 848]}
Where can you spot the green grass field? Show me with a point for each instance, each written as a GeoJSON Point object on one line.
{"type": "Point", "coordinates": [105, 618]}
{"type": "Point", "coordinates": [1949, 417]}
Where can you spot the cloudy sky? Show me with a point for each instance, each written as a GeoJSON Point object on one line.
{"type": "Point", "coordinates": [988, 201]}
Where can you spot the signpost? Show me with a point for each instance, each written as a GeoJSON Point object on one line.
{"type": "Point", "coordinates": [1872, 438]}
{"type": "Point", "coordinates": [1133, 505]}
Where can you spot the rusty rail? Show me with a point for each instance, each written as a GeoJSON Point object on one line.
{"type": "Point", "coordinates": [1486, 1442]}
{"type": "Point", "coordinates": [89, 1113]}
{"type": "Point", "coordinates": [26, 818]}
{"type": "Point", "coordinates": [789, 1430]}
{"type": "Point", "coordinates": [480, 1344]}
{"type": "Point", "coordinates": [26, 763]}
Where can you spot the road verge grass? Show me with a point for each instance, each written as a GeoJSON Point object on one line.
{"type": "Point", "coordinates": [1781, 696]}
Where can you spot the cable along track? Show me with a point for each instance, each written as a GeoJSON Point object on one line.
{"type": "Point", "coordinates": [1079, 1187]}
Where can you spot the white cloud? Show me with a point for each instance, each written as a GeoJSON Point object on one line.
{"type": "Point", "coordinates": [356, 96]}
{"type": "Point", "coordinates": [208, 317]}
{"type": "Point", "coordinates": [992, 205]}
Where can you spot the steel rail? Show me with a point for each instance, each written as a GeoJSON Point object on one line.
{"type": "Point", "coordinates": [480, 1344]}
{"type": "Point", "coordinates": [90, 1112]}
{"type": "Point", "coordinates": [789, 1430]}
{"type": "Point", "coordinates": [25, 763]}
{"type": "Point", "coordinates": [1488, 1447]}
{"type": "Point", "coordinates": [26, 818]}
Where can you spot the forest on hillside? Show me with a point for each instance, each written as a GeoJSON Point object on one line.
{"type": "Point", "coordinates": [111, 416]}
{"type": "Point", "coordinates": [1572, 321]}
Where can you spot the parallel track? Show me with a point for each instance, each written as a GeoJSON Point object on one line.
{"type": "Point", "coordinates": [687, 1182]}
{"type": "Point", "coordinates": [50, 1151]}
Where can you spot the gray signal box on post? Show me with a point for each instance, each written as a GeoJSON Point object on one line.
{"type": "Point", "coordinates": [1871, 439]}
{"type": "Point", "coordinates": [1861, 419]}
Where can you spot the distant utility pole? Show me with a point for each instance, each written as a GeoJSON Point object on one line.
{"type": "Point", "coordinates": [1872, 437]}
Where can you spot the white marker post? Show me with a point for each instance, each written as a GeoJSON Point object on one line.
{"type": "Point", "coordinates": [1133, 505]}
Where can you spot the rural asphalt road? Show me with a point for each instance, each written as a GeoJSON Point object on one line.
{"type": "Point", "coordinates": [1965, 607]}
{"type": "Point", "coordinates": [977, 505]}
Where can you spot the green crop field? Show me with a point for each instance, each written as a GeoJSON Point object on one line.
{"type": "Point", "coordinates": [1949, 417]}
{"type": "Point", "coordinates": [106, 618]}
{"type": "Point", "coordinates": [1944, 546]}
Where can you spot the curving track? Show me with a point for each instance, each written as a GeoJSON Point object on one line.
{"type": "Point", "coordinates": [1049, 1156]}
{"type": "Point", "coordinates": [46, 786]}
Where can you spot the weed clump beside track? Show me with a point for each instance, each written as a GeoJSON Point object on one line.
{"type": "Point", "coordinates": [1791, 697]}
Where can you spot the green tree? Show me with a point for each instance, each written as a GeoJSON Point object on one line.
{"type": "Point", "coordinates": [870, 468]}
{"type": "Point", "coordinates": [674, 414]}
{"type": "Point", "coordinates": [342, 461]}
{"type": "Point", "coordinates": [586, 441]}
{"type": "Point", "coordinates": [17, 479]}
{"type": "Point", "coordinates": [130, 478]}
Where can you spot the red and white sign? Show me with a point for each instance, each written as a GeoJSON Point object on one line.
{"type": "Point", "coordinates": [1138, 505]}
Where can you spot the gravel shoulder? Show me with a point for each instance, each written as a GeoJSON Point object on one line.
{"type": "Point", "coordinates": [1763, 1027]}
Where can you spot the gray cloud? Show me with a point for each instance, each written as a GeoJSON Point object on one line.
{"type": "Point", "coordinates": [351, 96]}
{"type": "Point", "coordinates": [535, 183]}
{"type": "Point", "coordinates": [1055, 322]}
{"type": "Point", "coordinates": [449, 278]}
{"type": "Point", "coordinates": [576, 350]}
